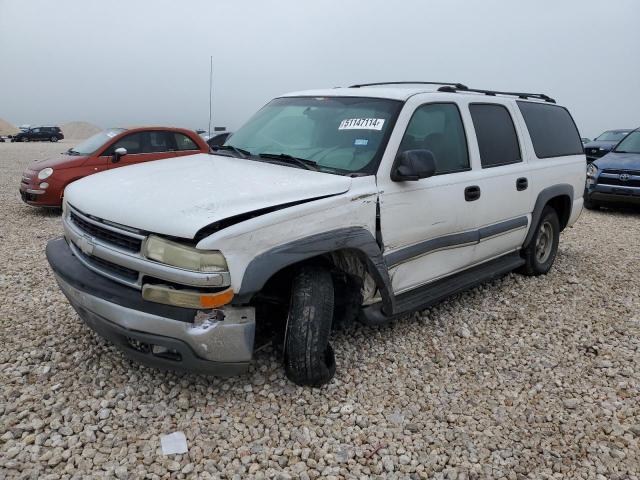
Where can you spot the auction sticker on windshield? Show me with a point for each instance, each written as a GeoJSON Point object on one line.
{"type": "Point", "coordinates": [361, 124]}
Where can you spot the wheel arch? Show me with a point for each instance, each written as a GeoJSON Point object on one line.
{"type": "Point", "coordinates": [315, 249]}
{"type": "Point", "coordinates": [560, 197]}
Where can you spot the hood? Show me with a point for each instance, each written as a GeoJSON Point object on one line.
{"type": "Point", "coordinates": [59, 162]}
{"type": "Point", "coordinates": [619, 161]}
{"type": "Point", "coordinates": [600, 144]}
{"type": "Point", "coordinates": [179, 196]}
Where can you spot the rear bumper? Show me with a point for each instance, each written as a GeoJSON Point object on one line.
{"type": "Point", "coordinates": [156, 335]}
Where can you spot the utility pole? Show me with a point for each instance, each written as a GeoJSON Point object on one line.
{"type": "Point", "coordinates": [210, 89]}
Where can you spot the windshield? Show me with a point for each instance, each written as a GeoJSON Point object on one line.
{"type": "Point", "coordinates": [337, 134]}
{"type": "Point", "coordinates": [631, 144]}
{"type": "Point", "coordinates": [93, 143]}
{"type": "Point", "coordinates": [612, 136]}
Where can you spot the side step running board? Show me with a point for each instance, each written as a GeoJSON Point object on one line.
{"type": "Point", "coordinates": [427, 295]}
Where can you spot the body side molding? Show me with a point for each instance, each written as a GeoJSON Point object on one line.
{"type": "Point", "coordinates": [359, 239]}
{"type": "Point", "coordinates": [455, 240]}
{"type": "Point", "coordinates": [562, 189]}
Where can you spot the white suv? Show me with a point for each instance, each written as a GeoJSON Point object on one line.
{"type": "Point", "coordinates": [365, 202]}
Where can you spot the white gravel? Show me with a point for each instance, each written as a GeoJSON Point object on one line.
{"type": "Point", "coordinates": [522, 378]}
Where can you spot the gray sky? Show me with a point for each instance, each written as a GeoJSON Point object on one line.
{"type": "Point", "coordinates": [125, 62]}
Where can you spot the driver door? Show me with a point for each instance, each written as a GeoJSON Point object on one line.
{"type": "Point", "coordinates": [428, 226]}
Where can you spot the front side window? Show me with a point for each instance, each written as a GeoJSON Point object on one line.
{"type": "Point", "coordinates": [158, 142]}
{"type": "Point", "coordinates": [631, 143]}
{"type": "Point", "coordinates": [134, 143]}
{"type": "Point", "coordinates": [496, 134]}
{"type": "Point", "coordinates": [184, 143]}
{"type": "Point", "coordinates": [342, 135]}
{"type": "Point", "coordinates": [95, 142]}
{"type": "Point", "coordinates": [437, 127]}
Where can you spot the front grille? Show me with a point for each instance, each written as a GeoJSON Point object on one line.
{"type": "Point", "coordinates": [106, 266]}
{"type": "Point", "coordinates": [118, 239]}
{"type": "Point", "coordinates": [595, 152]}
{"type": "Point", "coordinates": [615, 180]}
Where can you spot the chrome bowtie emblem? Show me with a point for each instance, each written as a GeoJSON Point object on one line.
{"type": "Point", "coordinates": [86, 245]}
{"type": "Point", "coordinates": [624, 177]}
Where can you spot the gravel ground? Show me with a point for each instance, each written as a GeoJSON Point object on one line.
{"type": "Point", "coordinates": [521, 378]}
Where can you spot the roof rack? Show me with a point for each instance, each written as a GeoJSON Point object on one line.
{"type": "Point", "coordinates": [454, 88]}
{"type": "Point", "coordinates": [459, 86]}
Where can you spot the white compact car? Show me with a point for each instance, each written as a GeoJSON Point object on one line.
{"type": "Point", "coordinates": [365, 203]}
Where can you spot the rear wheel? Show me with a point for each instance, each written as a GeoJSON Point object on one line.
{"type": "Point", "coordinates": [308, 356]}
{"type": "Point", "coordinates": [541, 252]}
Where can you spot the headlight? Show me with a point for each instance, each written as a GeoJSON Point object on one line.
{"type": "Point", "coordinates": [592, 170]}
{"type": "Point", "coordinates": [45, 173]}
{"type": "Point", "coordinates": [183, 256]}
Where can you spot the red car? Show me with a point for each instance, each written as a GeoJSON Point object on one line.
{"type": "Point", "coordinates": [43, 182]}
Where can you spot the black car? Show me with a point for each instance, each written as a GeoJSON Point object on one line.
{"type": "Point", "coordinates": [218, 139]}
{"type": "Point", "coordinates": [604, 142]}
{"type": "Point", "coordinates": [39, 134]}
{"type": "Point", "coordinates": [615, 178]}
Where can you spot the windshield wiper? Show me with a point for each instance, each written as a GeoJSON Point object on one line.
{"type": "Point", "coordinates": [238, 151]}
{"type": "Point", "coordinates": [285, 157]}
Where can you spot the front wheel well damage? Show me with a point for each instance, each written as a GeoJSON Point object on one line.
{"type": "Point", "coordinates": [353, 285]}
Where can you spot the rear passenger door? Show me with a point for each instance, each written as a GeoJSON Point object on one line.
{"type": "Point", "coordinates": [505, 197]}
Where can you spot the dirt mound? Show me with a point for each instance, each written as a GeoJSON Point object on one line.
{"type": "Point", "coordinates": [7, 128]}
{"type": "Point", "coordinates": [79, 130]}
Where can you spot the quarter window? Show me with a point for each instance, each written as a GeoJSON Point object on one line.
{"type": "Point", "coordinates": [552, 130]}
{"type": "Point", "coordinates": [496, 134]}
{"type": "Point", "coordinates": [184, 143]}
{"type": "Point", "coordinates": [438, 127]}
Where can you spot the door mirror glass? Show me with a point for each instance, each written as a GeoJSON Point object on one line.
{"type": "Point", "coordinates": [118, 154]}
{"type": "Point", "coordinates": [412, 165]}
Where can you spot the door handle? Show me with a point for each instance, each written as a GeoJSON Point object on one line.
{"type": "Point", "coordinates": [472, 193]}
{"type": "Point", "coordinates": [521, 184]}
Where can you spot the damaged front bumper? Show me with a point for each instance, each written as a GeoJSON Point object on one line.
{"type": "Point", "coordinates": [215, 343]}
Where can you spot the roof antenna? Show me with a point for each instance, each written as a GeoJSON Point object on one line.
{"type": "Point", "coordinates": [210, 89]}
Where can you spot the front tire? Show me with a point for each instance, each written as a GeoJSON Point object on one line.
{"type": "Point", "coordinates": [308, 357]}
{"type": "Point", "coordinates": [53, 139]}
{"type": "Point", "coordinates": [541, 252]}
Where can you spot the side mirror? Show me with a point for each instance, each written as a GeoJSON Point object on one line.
{"type": "Point", "coordinates": [412, 165]}
{"type": "Point", "coordinates": [118, 154]}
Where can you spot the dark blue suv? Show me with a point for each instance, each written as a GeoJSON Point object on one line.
{"type": "Point", "coordinates": [603, 143]}
{"type": "Point", "coordinates": [615, 177]}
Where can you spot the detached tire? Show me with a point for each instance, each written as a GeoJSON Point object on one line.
{"type": "Point", "coordinates": [541, 252]}
{"type": "Point", "coordinates": [309, 359]}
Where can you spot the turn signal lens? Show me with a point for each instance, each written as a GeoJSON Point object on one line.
{"type": "Point", "coordinates": [186, 298]}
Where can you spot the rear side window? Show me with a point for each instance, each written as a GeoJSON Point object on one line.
{"type": "Point", "coordinates": [184, 143]}
{"type": "Point", "coordinates": [553, 132]}
{"type": "Point", "coordinates": [438, 127]}
{"type": "Point", "coordinates": [496, 134]}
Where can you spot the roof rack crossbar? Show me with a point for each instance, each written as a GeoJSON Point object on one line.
{"type": "Point", "coordinates": [456, 85]}
{"type": "Point", "coordinates": [493, 93]}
